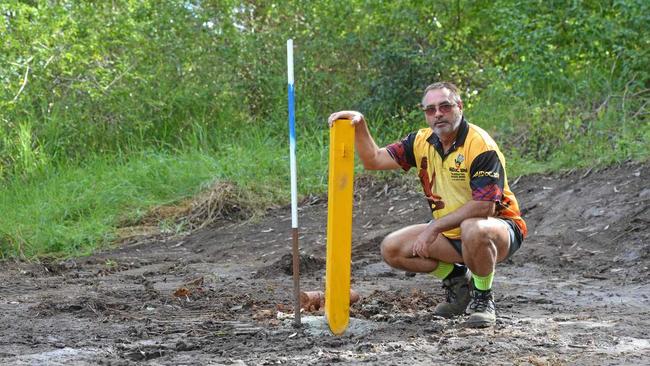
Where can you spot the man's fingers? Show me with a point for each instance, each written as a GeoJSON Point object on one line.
{"type": "Point", "coordinates": [419, 250]}
{"type": "Point", "coordinates": [421, 253]}
{"type": "Point", "coordinates": [333, 117]}
{"type": "Point", "coordinates": [354, 117]}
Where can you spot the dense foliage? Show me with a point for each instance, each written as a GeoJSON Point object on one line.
{"type": "Point", "coordinates": [93, 77]}
{"type": "Point", "coordinates": [558, 82]}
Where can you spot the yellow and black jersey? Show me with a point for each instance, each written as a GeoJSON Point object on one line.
{"type": "Point", "coordinates": [472, 169]}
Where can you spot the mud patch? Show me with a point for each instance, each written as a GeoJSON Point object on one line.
{"type": "Point", "coordinates": [575, 293]}
{"type": "Point", "coordinates": [81, 307]}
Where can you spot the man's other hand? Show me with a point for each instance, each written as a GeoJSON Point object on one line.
{"type": "Point", "coordinates": [422, 243]}
{"type": "Point", "coordinates": [354, 117]}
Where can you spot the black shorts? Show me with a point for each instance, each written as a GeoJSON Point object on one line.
{"type": "Point", "coordinates": [515, 238]}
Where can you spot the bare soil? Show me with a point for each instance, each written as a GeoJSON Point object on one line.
{"type": "Point", "coordinates": [576, 293]}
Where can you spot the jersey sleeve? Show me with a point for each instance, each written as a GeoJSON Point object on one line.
{"type": "Point", "coordinates": [487, 177]}
{"type": "Point", "coordinates": [402, 151]}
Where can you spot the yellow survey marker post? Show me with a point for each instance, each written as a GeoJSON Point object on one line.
{"type": "Point", "coordinates": [339, 226]}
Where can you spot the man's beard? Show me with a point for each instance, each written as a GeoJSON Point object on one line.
{"type": "Point", "coordinates": [445, 126]}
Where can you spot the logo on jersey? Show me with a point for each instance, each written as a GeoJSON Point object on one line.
{"type": "Point", "coordinates": [456, 172]}
{"type": "Point", "coordinates": [483, 173]}
{"type": "Point", "coordinates": [459, 160]}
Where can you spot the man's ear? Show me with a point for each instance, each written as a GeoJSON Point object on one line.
{"type": "Point", "coordinates": [460, 105]}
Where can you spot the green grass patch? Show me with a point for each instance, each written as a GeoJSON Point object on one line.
{"type": "Point", "coordinates": [71, 210]}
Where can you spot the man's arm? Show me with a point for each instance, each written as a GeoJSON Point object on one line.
{"type": "Point", "coordinates": [466, 211]}
{"type": "Point", "coordinates": [372, 157]}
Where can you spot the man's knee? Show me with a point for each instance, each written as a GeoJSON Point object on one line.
{"type": "Point", "coordinates": [475, 232]}
{"type": "Point", "coordinates": [390, 249]}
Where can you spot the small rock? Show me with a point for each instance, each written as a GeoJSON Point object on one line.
{"type": "Point", "coordinates": [594, 212]}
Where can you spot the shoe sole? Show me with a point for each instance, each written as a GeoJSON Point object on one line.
{"type": "Point", "coordinates": [480, 324]}
{"type": "Point", "coordinates": [448, 316]}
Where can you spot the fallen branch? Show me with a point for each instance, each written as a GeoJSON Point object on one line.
{"type": "Point", "coordinates": [640, 111]}
{"type": "Point", "coordinates": [22, 87]}
{"type": "Point", "coordinates": [117, 78]}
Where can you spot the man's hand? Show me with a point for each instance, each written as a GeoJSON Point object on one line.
{"type": "Point", "coordinates": [423, 241]}
{"type": "Point", "coordinates": [354, 116]}
{"type": "Point", "coordinates": [371, 155]}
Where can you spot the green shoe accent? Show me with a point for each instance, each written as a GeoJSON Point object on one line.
{"type": "Point", "coordinates": [483, 283]}
{"type": "Point", "coordinates": [443, 270]}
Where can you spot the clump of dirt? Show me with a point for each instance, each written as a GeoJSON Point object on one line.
{"type": "Point", "coordinates": [309, 264]}
{"type": "Point", "coordinates": [55, 268]}
{"type": "Point", "coordinates": [84, 306]}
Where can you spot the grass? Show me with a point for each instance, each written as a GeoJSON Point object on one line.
{"type": "Point", "coordinates": [71, 210]}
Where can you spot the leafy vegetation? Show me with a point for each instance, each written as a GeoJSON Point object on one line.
{"type": "Point", "coordinates": [108, 108]}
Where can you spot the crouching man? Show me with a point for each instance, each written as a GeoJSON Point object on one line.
{"type": "Point", "coordinates": [476, 221]}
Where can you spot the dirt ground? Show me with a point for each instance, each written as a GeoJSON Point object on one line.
{"type": "Point", "coordinates": [576, 293]}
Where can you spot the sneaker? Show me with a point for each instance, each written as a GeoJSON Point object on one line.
{"type": "Point", "coordinates": [458, 296]}
{"type": "Point", "coordinates": [481, 309]}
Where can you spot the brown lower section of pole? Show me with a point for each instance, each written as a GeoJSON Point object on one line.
{"type": "Point", "coordinates": [296, 278]}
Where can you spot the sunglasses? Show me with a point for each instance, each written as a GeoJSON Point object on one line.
{"type": "Point", "coordinates": [443, 108]}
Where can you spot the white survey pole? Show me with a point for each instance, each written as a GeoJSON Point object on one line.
{"type": "Point", "coordinates": [292, 138]}
{"type": "Point", "coordinates": [294, 186]}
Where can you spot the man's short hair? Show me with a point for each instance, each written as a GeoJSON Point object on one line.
{"type": "Point", "coordinates": [453, 89]}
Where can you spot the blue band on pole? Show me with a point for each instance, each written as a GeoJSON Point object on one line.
{"type": "Point", "coordinates": [292, 122]}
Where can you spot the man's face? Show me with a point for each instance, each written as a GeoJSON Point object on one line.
{"type": "Point", "coordinates": [441, 112]}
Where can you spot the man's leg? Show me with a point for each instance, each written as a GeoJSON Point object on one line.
{"type": "Point", "coordinates": [397, 251]}
{"type": "Point", "coordinates": [485, 242]}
